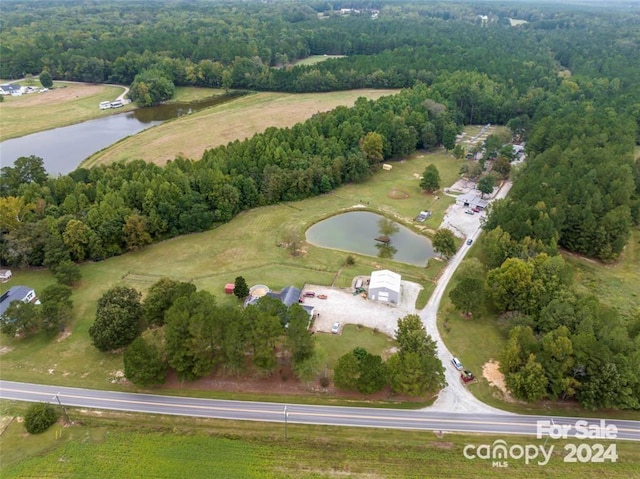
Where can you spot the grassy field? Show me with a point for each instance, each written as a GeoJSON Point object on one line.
{"type": "Point", "coordinates": [215, 257]}
{"type": "Point", "coordinates": [117, 445]}
{"type": "Point", "coordinates": [336, 346]}
{"type": "Point", "coordinates": [314, 59]}
{"type": "Point", "coordinates": [65, 104]}
{"type": "Point", "coordinates": [615, 284]}
{"type": "Point", "coordinates": [189, 136]}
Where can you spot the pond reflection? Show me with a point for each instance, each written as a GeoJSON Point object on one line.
{"type": "Point", "coordinates": [362, 232]}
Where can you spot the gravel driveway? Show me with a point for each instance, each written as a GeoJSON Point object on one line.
{"type": "Point", "coordinates": [341, 305]}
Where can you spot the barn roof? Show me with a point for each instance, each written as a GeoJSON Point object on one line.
{"type": "Point", "coordinates": [385, 279]}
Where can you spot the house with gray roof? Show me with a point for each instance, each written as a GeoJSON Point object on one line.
{"type": "Point", "coordinates": [17, 293]}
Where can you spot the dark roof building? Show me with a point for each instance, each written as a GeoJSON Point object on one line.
{"type": "Point", "coordinates": [10, 89]}
{"type": "Point", "coordinates": [288, 296]}
{"type": "Point", "coordinates": [17, 293]}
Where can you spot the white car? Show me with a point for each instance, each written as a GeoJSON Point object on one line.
{"type": "Point", "coordinates": [456, 364]}
{"type": "Point", "coordinates": [336, 327]}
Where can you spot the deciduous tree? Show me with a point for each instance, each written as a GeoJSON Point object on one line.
{"type": "Point", "coordinates": [430, 179]}
{"type": "Point", "coordinates": [39, 417]}
{"type": "Point", "coordinates": [444, 242]}
{"type": "Point", "coordinates": [45, 79]}
{"type": "Point", "coordinates": [161, 296]}
{"type": "Point", "coordinates": [56, 306]}
{"type": "Point", "coordinates": [118, 317]}
{"type": "Point", "coordinates": [143, 363]}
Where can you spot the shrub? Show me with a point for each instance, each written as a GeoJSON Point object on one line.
{"type": "Point", "coordinates": [39, 418]}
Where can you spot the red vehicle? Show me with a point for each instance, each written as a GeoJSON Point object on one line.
{"type": "Point", "coordinates": [466, 376]}
{"type": "Point", "coordinates": [309, 294]}
{"type": "Point", "coordinates": [476, 209]}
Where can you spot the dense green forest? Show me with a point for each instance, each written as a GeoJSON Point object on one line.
{"type": "Point", "coordinates": [567, 82]}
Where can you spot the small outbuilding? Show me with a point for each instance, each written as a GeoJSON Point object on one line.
{"type": "Point", "coordinates": [5, 275]}
{"type": "Point", "coordinates": [384, 286]}
{"type": "Point", "coordinates": [229, 287]}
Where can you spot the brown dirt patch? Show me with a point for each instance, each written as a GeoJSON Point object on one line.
{"type": "Point", "coordinates": [64, 336]}
{"type": "Point", "coordinates": [398, 194]}
{"type": "Point", "coordinates": [5, 350]}
{"type": "Point", "coordinates": [491, 372]}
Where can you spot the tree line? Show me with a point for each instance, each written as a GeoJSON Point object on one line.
{"type": "Point", "coordinates": [183, 329]}
{"type": "Point", "coordinates": [92, 214]}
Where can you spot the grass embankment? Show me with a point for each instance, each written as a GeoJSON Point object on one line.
{"type": "Point", "coordinates": [479, 340]}
{"type": "Point", "coordinates": [116, 445]}
{"type": "Point", "coordinates": [189, 136]}
{"type": "Point", "coordinates": [245, 246]}
{"type": "Point", "coordinates": [65, 104]}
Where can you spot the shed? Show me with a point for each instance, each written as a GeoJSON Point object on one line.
{"type": "Point", "coordinates": [5, 275]}
{"type": "Point", "coordinates": [384, 286]}
{"type": "Point", "coordinates": [387, 166]}
{"type": "Point", "coordinates": [229, 287]}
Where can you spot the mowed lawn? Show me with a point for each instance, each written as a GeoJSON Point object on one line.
{"type": "Point", "coordinates": [189, 136]}
{"type": "Point", "coordinates": [117, 445]}
{"type": "Point", "coordinates": [246, 246]}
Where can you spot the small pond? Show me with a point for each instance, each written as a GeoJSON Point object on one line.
{"type": "Point", "coordinates": [357, 231]}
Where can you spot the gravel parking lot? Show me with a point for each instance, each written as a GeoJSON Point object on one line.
{"type": "Point", "coordinates": [341, 305]}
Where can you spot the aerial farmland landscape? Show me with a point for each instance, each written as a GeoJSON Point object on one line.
{"type": "Point", "coordinates": [313, 240]}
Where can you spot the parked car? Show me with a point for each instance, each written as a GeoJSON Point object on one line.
{"type": "Point", "coordinates": [469, 212]}
{"type": "Point", "coordinates": [457, 364]}
{"type": "Point", "coordinates": [336, 327]}
{"type": "Point", "coordinates": [467, 376]}
{"type": "Point", "coordinates": [469, 241]}
{"type": "Point", "coordinates": [476, 209]}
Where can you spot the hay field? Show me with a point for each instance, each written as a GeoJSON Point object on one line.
{"type": "Point", "coordinates": [189, 136]}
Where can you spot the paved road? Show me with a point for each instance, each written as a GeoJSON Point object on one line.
{"type": "Point", "coordinates": [296, 413]}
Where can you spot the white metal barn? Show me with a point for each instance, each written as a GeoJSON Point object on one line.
{"type": "Point", "coordinates": [384, 286]}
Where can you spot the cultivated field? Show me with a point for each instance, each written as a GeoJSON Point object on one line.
{"type": "Point", "coordinates": [116, 445]}
{"type": "Point", "coordinates": [189, 136]}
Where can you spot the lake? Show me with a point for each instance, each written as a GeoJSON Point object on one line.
{"type": "Point", "coordinates": [356, 231]}
{"type": "Point", "coordinates": [63, 149]}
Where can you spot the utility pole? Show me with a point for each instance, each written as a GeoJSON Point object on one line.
{"type": "Point", "coordinates": [64, 409]}
{"type": "Point", "coordinates": [286, 414]}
